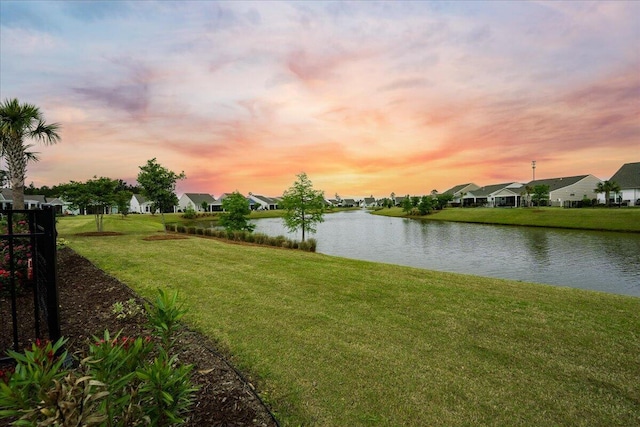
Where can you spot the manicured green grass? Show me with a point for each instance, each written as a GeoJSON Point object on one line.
{"type": "Point", "coordinates": [338, 342]}
{"type": "Point", "coordinates": [611, 219]}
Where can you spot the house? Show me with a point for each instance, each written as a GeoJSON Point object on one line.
{"type": "Point", "coordinates": [348, 203]}
{"type": "Point", "coordinates": [61, 207]}
{"type": "Point", "coordinates": [567, 191]}
{"type": "Point", "coordinates": [332, 202]}
{"type": "Point", "coordinates": [369, 202]}
{"type": "Point", "coordinates": [140, 204]}
{"type": "Point", "coordinates": [496, 195]}
{"type": "Point", "coordinates": [459, 191]}
{"type": "Point", "coordinates": [628, 178]}
{"type": "Point", "coordinates": [263, 203]}
{"type": "Point", "coordinates": [195, 201]}
{"type": "Point", "coordinates": [31, 201]}
{"type": "Point", "coordinates": [217, 205]}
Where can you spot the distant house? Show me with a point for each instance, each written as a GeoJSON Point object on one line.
{"type": "Point", "coordinates": [195, 201]}
{"type": "Point", "coordinates": [139, 204]}
{"type": "Point", "coordinates": [369, 202]}
{"type": "Point", "coordinates": [332, 202]}
{"type": "Point", "coordinates": [628, 178]}
{"type": "Point", "coordinates": [567, 191]}
{"type": "Point", "coordinates": [348, 203]}
{"type": "Point", "coordinates": [496, 195]}
{"type": "Point", "coordinates": [263, 203]}
{"type": "Point", "coordinates": [217, 205]}
{"type": "Point", "coordinates": [459, 193]}
{"type": "Point", "coordinates": [30, 201]}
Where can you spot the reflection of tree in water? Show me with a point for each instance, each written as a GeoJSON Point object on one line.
{"type": "Point", "coordinates": [538, 245]}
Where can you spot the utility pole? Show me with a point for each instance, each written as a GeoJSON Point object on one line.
{"type": "Point", "coordinates": [533, 167]}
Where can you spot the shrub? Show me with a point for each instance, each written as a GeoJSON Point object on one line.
{"type": "Point", "coordinates": [189, 213]}
{"type": "Point", "coordinates": [124, 381]}
{"type": "Point", "coordinates": [191, 230]}
{"type": "Point", "coordinates": [181, 229]}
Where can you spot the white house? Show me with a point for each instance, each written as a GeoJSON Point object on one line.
{"type": "Point", "coordinates": [139, 204]}
{"type": "Point", "coordinates": [195, 201]}
{"type": "Point", "coordinates": [507, 194]}
{"type": "Point", "coordinates": [30, 201]}
{"type": "Point", "coordinates": [263, 203]}
{"type": "Point", "coordinates": [628, 178]}
{"type": "Point", "coordinates": [460, 191]}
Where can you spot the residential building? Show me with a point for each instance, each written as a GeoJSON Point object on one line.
{"type": "Point", "coordinates": [496, 195]}
{"type": "Point", "coordinates": [195, 201]}
{"type": "Point", "coordinates": [628, 178]}
{"type": "Point", "coordinates": [140, 204]}
{"type": "Point", "coordinates": [263, 203]}
{"type": "Point", "coordinates": [459, 192]}
{"type": "Point", "coordinates": [567, 191]}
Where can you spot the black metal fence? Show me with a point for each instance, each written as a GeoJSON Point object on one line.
{"type": "Point", "coordinates": [29, 294]}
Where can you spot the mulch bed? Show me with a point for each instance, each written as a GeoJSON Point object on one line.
{"type": "Point", "coordinates": [86, 296]}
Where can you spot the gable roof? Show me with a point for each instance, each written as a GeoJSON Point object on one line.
{"type": "Point", "coordinates": [556, 183]}
{"type": "Point", "coordinates": [470, 186]}
{"type": "Point", "coordinates": [140, 198]}
{"type": "Point", "coordinates": [490, 189]}
{"type": "Point", "coordinates": [628, 176]}
{"type": "Point", "coordinates": [198, 198]}
{"type": "Point", "coordinates": [267, 200]}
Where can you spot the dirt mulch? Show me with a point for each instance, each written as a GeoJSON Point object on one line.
{"type": "Point", "coordinates": [86, 296]}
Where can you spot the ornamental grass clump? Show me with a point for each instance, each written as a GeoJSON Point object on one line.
{"type": "Point", "coordinates": [122, 381]}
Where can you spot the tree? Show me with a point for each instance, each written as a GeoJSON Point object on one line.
{"type": "Point", "coordinates": [540, 193]}
{"type": "Point", "coordinates": [303, 206]}
{"type": "Point", "coordinates": [607, 187]}
{"type": "Point", "coordinates": [17, 123]}
{"type": "Point", "coordinates": [236, 208]}
{"type": "Point", "coordinates": [406, 204]}
{"type": "Point", "coordinates": [442, 200]}
{"type": "Point", "coordinates": [97, 194]}
{"type": "Point", "coordinates": [204, 205]}
{"type": "Point", "coordinates": [425, 205]}
{"type": "Point", "coordinates": [123, 201]}
{"type": "Point", "coordinates": [159, 185]}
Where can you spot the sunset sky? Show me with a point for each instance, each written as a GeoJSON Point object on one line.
{"type": "Point", "coordinates": [365, 97]}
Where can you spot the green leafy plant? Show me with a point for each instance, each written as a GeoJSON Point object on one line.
{"type": "Point", "coordinates": [123, 381]}
{"type": "Point", "coordinates": [129, 308]}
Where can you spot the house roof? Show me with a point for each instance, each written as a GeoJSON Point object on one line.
{"type": "Point", "coordinates": [7, 194]}
{"type": "Point", "coordinates": [264, 199]}
{"type": "Point", "coordinates": [369, 200]}
{"type": "Point", "coordinates": [198, 198]}
{"type": "Point", "coordinates": [455, 190]}
{"type": "Point", "coordinates": [140, 198]}
{"type": "Point", "coordinates": [489, 189]}
{"type": "Point", "coordinates": [556, 183]}
{"type": "Point", "coordinates": [628, 176]}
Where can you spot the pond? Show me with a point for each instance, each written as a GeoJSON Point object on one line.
{"type": "Point", "coordinates": [594, 260]}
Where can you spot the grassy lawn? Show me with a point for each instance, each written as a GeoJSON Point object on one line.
{"type": "Point", "coordinates": [338, 342]}
{"type": "Point", "coordinates": [614, 219]}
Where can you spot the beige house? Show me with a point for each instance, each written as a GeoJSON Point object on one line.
{"type": "Point", "coordinates": [567, 191]}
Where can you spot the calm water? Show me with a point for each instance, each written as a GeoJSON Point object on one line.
{"type": "Point", "coordinates": [601, 261]}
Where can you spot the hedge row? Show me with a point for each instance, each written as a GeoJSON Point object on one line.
{"type": "Point", "coordinates": [308, 245]}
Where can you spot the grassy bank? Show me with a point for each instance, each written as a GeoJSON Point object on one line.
{"type": "Point", "coordinates": [627, 219]}
{"type": "Point", "coordinates": [337, 342]}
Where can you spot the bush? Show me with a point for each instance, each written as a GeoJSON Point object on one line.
{"type": "Point", "coordinates": [181, 229]}
{"type": "Point", "coordinates": [189, 213]}
{"type": "Point", "coordinates": [123, 381]}
{"type": "Point", "coordinates": [191, 230]}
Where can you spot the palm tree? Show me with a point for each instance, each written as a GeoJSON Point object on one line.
{"type": "Point", "coordinates": [607, 187]}
{"type": "Point", "coordinates": [17, 122]}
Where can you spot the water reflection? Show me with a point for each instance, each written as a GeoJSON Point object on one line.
{"type": "Point", "coordinates": [602, 261]}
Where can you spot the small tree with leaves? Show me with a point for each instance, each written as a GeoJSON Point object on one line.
{"type": "Point", "coordinates": [159, 185]}
{"type": "Point", "coordinates": [407, 206]}
{"type": "Point", "coordinates": [236, 208]}
{"type": "Point", "coordinates": [540, 193]}
{"type": "Point", "coordinates": [303, 206]}
{"type": "Point", "coordinates": [123, 201]}
{"type": "Point", "coordinates": [97, 194]}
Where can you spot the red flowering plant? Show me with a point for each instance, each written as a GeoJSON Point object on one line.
{"type": "Point", "coordinates": [22, 261]}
